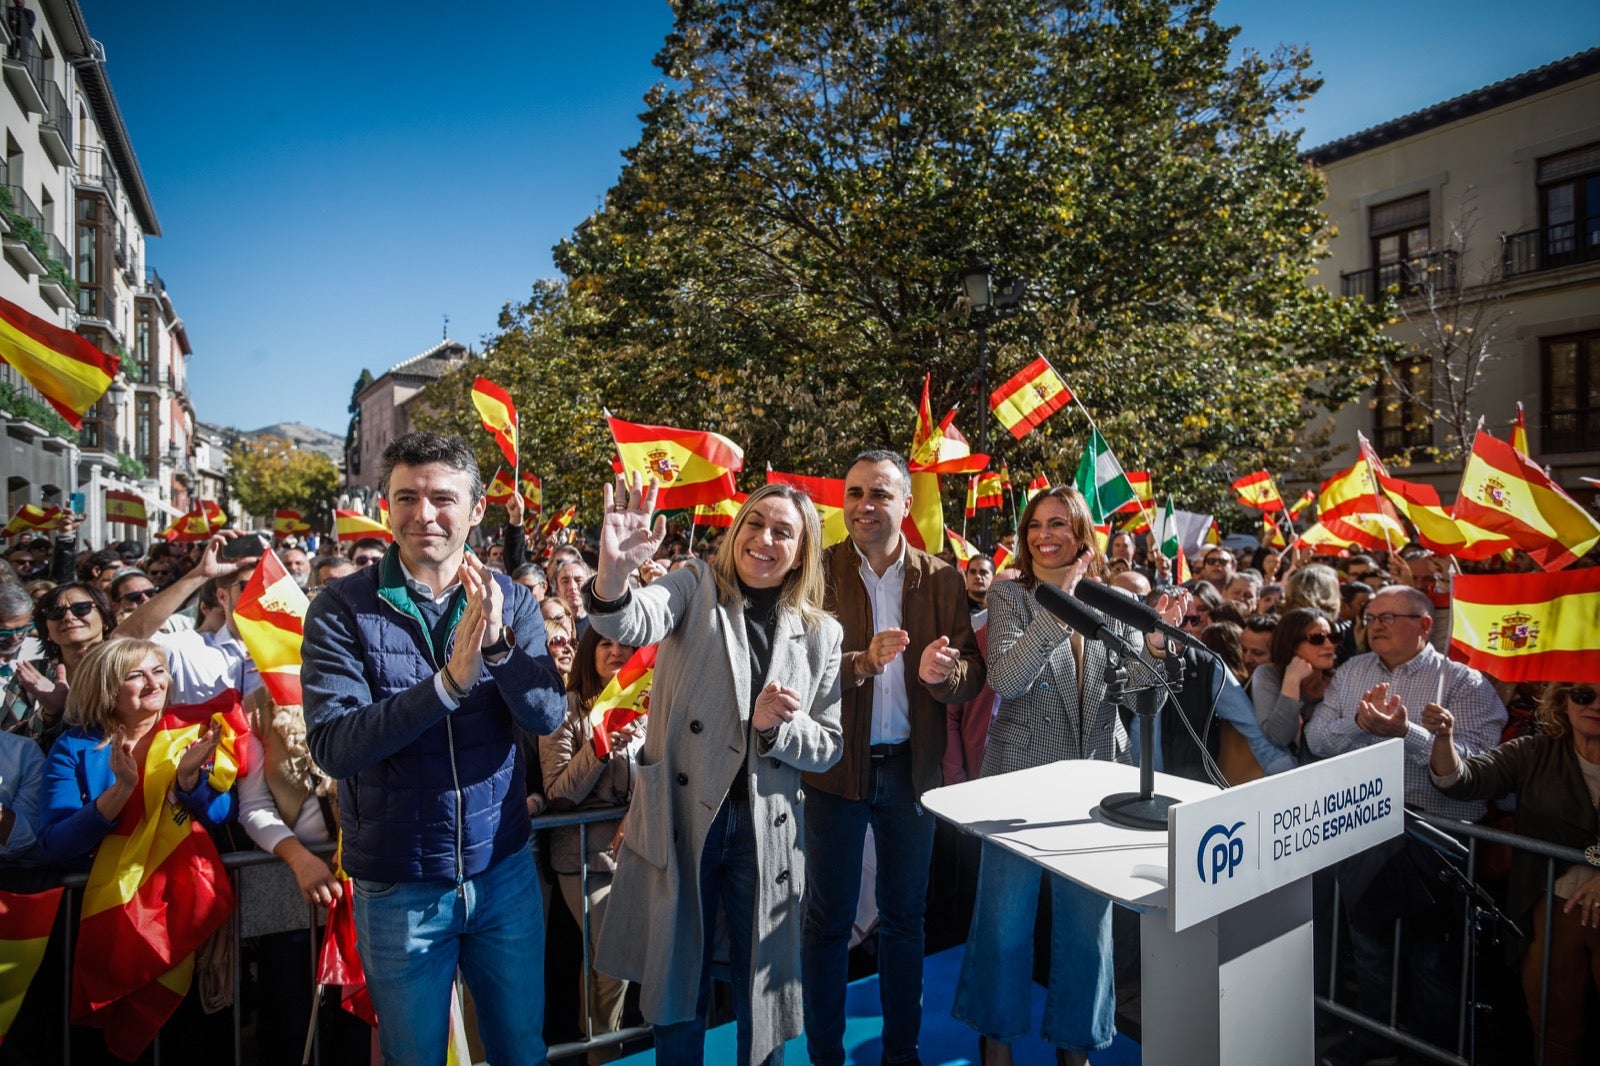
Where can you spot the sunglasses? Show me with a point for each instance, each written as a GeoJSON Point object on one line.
{"type": "Point", "coordinates": [160, 575]}
{"type": "Point", "coordinates": [1583, 697]}
{"type": "Point", "coordinates": [11, 636]}
{"type": "Point", "coordinates": [559, 642]}
{"type": "Point", "coordinates": [137, 596]}
{"type": "Point", "coordinates": [1317, 640]}
{"type": "Point", "coordinates": [1191, 619]}
{"type": "Point", "coordinates": [81, 609]}
{"type": "Point", "coordinates": [1217, 560]}
{"type": "Point", "coordinates": [366, 560]}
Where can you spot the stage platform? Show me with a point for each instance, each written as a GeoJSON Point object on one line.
{"type": "Point", "coordinates": [945, 1041]}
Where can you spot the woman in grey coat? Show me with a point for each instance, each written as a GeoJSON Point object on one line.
{"type": "Point", "coordinates": [745, 697]}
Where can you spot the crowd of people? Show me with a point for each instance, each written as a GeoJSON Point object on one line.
{"type": "Point", "coordinates": [803, 700]}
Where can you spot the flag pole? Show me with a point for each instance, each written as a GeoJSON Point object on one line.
{"type": "Point", "coordinates": [1143, 511]}
{"type": "Point", "coordinates": [1372, 480]}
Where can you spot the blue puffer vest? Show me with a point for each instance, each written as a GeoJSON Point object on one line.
{"type": "Point", "coordinates": [451, 803]}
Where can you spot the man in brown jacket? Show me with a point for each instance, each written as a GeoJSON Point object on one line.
{"type": "Point", "coordinates": [908, 650]}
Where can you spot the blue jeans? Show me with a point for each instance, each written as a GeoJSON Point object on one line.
{"type": "Point", "coordinates": [414, 935]}
{"type": "Point", "coordinates": [995, 992]}
{"type": "Point", "coordinates": [727, 883]}
{"type": "Point", "coordinates": [902, 833]}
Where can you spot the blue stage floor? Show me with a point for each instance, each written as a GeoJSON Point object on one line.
{"type": "Point", "coordinates": [945, 1041]}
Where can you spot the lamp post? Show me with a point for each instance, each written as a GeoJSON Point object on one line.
{"type": "Point", "coordinates": [987, 297]}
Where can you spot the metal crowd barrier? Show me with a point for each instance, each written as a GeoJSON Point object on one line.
{"type": "Point", "coordinates": [239, 860]}
{"type": "Point", "coordinates": [1473, 834]}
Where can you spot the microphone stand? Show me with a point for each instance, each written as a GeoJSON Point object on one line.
{"type": "Point", "coordinates": [1143, 810]}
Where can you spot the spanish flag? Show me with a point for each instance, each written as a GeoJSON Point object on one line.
{"type": "Point", "coordinates": [289, 523]}
{"type": "Point", "coordinates": [720, 514]}
{"type": "Point", "coordinates": [961, 548]}
{"type": "Point", "coordinates": [625, 697]}
{"type": "Point", "coordinates": [1353, 490]}
{"type": "Point", "coordinates": [1437, 529]}
{"type": "Point", "coordinates": [1257, 490]}
{"type": "Point", "coordinates": [69, 372]}
{"type": "Point", "coordinates": [270, 617]}
{"type": "Point", "coordinates": [924, 526]}
{"type": "Point", "coordinates": [1367, 532]}
{"type": "Point", "coordinates": [1301, 504]}
{"type": "Point", "coordinates": [1036, 486]}
{"type": "Point", "coordinates": [1505, 492]}
{"type": "Point", "coordinates": [25, 924]}
{"type": "Point", "coordinates": [983, 490]}
{"type": "Point", "coordinates": [31, 519]}
{"type": "Point", "coordinates": [500, 490]}
{"type": "Point", "coordinates": [532, 492]}
{"type": "Point", "coordinates": [692, 466]}
{"type": "Point", "coordinates": [156, 891]}
{"type": "Point", "coordinates": [827, 495]}
{"type": "Point", "coordinates": [1528, 627]}
{"type": "Point", "coordinates": [339, 961]}
{"type": "Point", "coordinates": [560, 520]}
{"type": "Point", "coordinates": [126, 507]}
{"type": "Point", "coordinates": [940, 449]}
{"type": "Point", "coordinates": [1034, 394]}
{"type": "Point", "coordinates": [499, 416]}
{"type": "Point", "coordinates": [353, 525]}
{"type": "Point", "coordinates": [197, 524]}
{"type": "Point", "coordinates": [1140, 481]}
{"type": "Point", "coordinates": [1519, 431]}
{"type": "Point", "coordinates": [1272, 534]}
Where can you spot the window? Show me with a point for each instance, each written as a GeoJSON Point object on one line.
{"type": "Point", "coordinates": [91, 301]}
{"type": "Point", "coordinates": [145, 431]}
{"type": "Point", "coordinates": [1400, 240]}
{"type": "Point", "coordinates": [1569, 201]}
{"type": "Point", "coordinates": [1403, 416]}
{"type": "Point", "coordinates": [95, 432]}
{"type": "Point", "coordinates": [1571, 393]}
{"type": "Point", "coordinates": [144, 366]}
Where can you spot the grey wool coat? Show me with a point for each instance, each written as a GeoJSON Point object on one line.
{"type": "Point", "coordinates": [700, 704]}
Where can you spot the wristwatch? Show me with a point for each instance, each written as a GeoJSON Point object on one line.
{"type": "Point", "coordinates": [507, 641]}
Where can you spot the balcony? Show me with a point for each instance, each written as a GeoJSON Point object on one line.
{"type": "Point", "coordinates": [1574, 429]}
{"type": "Point", "coordinates": [56, 286]}
{"type": "Point", "coordinates": [24, 245]}
{"type": "Point", "coordinates": [1550, 248]}
{"type": "Point", "coordinates": [1408, 278]}
{"type": "Point", "coordinates": [25, 74]}
{"type": "Point", "coordinates": [96, 171]}
{"type": "Point", "coordinates": [55, 128]}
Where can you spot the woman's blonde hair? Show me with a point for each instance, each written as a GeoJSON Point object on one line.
{"type": "Point", "coordinates": [92, 700]}
{"type": "Point", "coordinates": [1552, 712]}
{"type": "Point", "coordinates": [1082, 523]}
{"type": "Point", "coordinates": [1315, 586]}
{"type": "Point", "coordinates": [803, 589]}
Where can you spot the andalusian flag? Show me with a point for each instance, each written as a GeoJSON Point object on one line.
{"type": "Point", "coordinates": [499, 416]}
{"type": "Point", "coordinates": [156, 891]}
{"type": "Point", "coordinates": [1528, 627]}
{"type": "Point", "coordinates": [1257, 490]}
{"type": "Point", "coordinates": [500, 488]}
{"type": "Point", "coordinates": [720, 514]}
{"type": "Point", "coordinates": [692, 466]}
{"type": "Point", "coordinates": [961, 547]}
{"type": "Point", "coordinates": [1101, 480]}
{"type": "Point", "coordinates": [270, 617]}
{"type": "Point", "coordinates": [1169, 544]}
{"type": "Point", "coordinates": [289, 523]}
{"type": "Point", "coordinates": [625, 697]}
{"type": "Point", "coordinates": [532, 492]}
{"type": "Point", "coordinates": [827, 495]}
{"type": "Point", "coordinates": [924, 526]}
{"type": "Point", "coordinates": [1519, 431]}
{"type": "Point", "coordinates": [560, 520]}
{"type": "Point", "coordinates": [25, 924]}
{"type": "Point", "coordinates": [196, 524]}
{"type": "Point", "coordinates": [32, 519]}
{"type": "Point", "coordinates": [1034, 394]}
{"type": "Point", "coordinates": [69, 372]}
{"type": "Point", "coordinates": [126, 507]}
{"type": "Point", "coordinates": [353, 525]}
{"type": "Point", "coordinates": [1505, 492]}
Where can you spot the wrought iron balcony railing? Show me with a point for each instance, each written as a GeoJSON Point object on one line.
{"type": "Point", "coordinates": [1408, 278]}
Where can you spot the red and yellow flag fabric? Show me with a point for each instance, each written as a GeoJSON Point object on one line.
{"type": "Point", "coordinates": [69, 372]}
{"type": "Point", "coordinates": [1519, 431]}
{"type": "Point", "coordinates": [692, 466]}
{"type": "Point", "coordinates": [1003, 558]}
{"type": "Point", "coordinates": [1528, 627]}
{"type": "Point", "coordinates": [560, 520]}
{"type": "Point", "coordinates": [25, 924]}
{"type": "Point", "coordinates": [1032, 395]}
{"type": "Point", "coordinates": [156, 891]}
{"type": "Point", "coordinates": [924, 526]}
{"type": "Point", "coordinates": [1363, 531]}
{"type": "Point", "coordinates": [289, 523]}
{"type": "Point", "coordinates": [983, 490]}
{"type": "Point", "coordinates": [1505, 492]}
{"type": "Point", "coordinates": [1036, 486]}
{"type": "Point", "coordinates": [30, 518]}
{"type": "Point", "coordinates": [127, 508]}
{"type": "Point", "coordinates": [1139, 481]}
{"type": "Point", "coordinates": [339, 962]}
{"type": "Point", "coordinates": [827, 495]}
{"type": "Point", "coordinates": [1005, 476]}
{"type": "Point", "coordinates": [721, 514]}
{"type": "Point", "coordinates": [1301, 504]}
{"type": "Point", "coordinates": [499, 416]}
{"type": "Point", "coordinates": [940, 449]}
{"type": "Point", "coordinates": [351, 526]}
{"type": "Point", "coordinates": [962, 548]}
{"type": "Point", "coordinates": [1353, 490]}
{"type": "Point", "coordinates": [500, 489]}
{"type": "Point", "coordinates": [196, 524]}
{"type": "Point", "coordinates": [1272, 533]}
{"type": "Point", "coordinates": [625, 697]}
{"type": "Point", "coordinates": [270, 617]}
{"type": "Point", "coordinates": [1257, 490]}
{"type": "Point", "coordinates": [532, 493]}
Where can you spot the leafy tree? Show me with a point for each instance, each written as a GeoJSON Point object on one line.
{"type": "Point", "coordinates": [269, 472]}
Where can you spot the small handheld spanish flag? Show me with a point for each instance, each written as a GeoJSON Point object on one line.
{"type": "Point", "coordinates": [499, 416]}
{"type": "Point", "coordinates": [1032, 395]}
{"type": "Point", "coordinates": [625, 697]}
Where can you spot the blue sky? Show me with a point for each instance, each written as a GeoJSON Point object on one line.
{"type": "Point", "coordinates": [332, 179]}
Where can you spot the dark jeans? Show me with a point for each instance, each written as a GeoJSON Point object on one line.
{"type": "Point", "coordinates": [902, 833]}
{"type": "Point", "coordinates": [727, 883]}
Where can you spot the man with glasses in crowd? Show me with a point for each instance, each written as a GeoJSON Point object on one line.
{"type": "Point", "coordinates": [1373, 697]}
{"type": "Point", "coordinates": [18, 645]}
{"type": "Point", "coordinates": [1217, 567]}
{"type": "Point", "coordinates": [368, 550]}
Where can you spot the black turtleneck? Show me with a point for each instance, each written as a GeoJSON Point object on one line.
{"type": "Point", "coordinates": [760, 624]}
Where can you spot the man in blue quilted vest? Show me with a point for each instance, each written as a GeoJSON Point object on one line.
{"type": "Point", "coordinates": [417, 672]}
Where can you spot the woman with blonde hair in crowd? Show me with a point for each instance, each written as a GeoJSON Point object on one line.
{"type": "Point", "coordinates": [745, 697]}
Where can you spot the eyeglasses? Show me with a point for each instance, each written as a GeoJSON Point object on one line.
{"type": "Point", "coordinates": [1583, 697]}
{"type": "Point", "coordinates": [137, 595]}
{"type": "Point", "coordinates": [81, 609]}
{"type": "Point", "coordinates": [559, 642]}
{"type": "Point", "coordinates": [1387, 617]}
{"type": "Point", "coordinates": [1317, 640]}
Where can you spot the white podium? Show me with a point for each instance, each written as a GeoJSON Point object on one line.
{"type": "Point", "coordinates": [1224, 896]}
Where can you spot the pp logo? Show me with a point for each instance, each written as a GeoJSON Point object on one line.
{"type": "Point", "coordinates": [1221, 850]}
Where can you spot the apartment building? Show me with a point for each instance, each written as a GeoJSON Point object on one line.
{"type": "Point", "coordinates": [1481, 215]}
{"type": "Point", "coordinates": [383, 410]}
{"type": "Point", "coordinates": [77, 215]}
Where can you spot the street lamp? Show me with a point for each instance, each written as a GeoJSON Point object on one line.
{"type": "Point", "coordinates": [987, 296]}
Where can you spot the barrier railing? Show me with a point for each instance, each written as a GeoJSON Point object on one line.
{"type": "Point", "coordinates": [1473, 835]}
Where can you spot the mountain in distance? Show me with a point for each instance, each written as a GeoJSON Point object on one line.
{"type": "Point", "coordinates": [303, 436]}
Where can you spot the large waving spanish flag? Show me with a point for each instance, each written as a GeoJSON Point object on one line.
{"type": "Point", "coordinates": [69, 372]}
{"type": "Point", "coordinates": [1505, 492]}
{"type": "Point", "coordinates": [353, 525]}
{"type": "Point", "coordinates": [1528, 627]}
{"type": "Point", "coordinates": [31, 518]}
{"type": "Point", "coordinates": [270, 617]}
{"type": "Point", "coordinates": [499, 416]}
{"type": "Point", "coordinates": [1257, 490]}
{"type": "Point", "coordinates": [692, 466]}
{"type": "Point", "coordinates": [25, 923]}
{"type": "Point", "coordinates": [156, 891]}
{"type": "Point", "coordinates": [827, 495]}
{"type": "Point", "coordinates": [625, 697]}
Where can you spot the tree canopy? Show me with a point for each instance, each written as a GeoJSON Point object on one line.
{"type": "Point", "coordinates": [781, 255]}
{"type": "Point", "coordinates": [269, 472]}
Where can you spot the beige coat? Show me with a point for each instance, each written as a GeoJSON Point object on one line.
{"type": "Point", "coordinates": [700, 703]}
{"type": "Point", "coordinates": [575, 778]}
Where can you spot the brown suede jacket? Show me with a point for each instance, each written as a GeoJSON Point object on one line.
{"type": "Point", "coordinates": [933, 605]}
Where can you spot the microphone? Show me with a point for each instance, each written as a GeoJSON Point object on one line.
{"type": "Point", "coordinates": [1131, 612]}
{"type": "Point", "coordinates": [1088, 622]}
{"type": "Point", "coordinates": [1429, 836]}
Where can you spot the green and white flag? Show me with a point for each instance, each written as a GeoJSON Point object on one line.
{"type": "Point", "coordinates": [1101, 480]}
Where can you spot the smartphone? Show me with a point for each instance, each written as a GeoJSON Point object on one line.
{"type": "Point", "coordinates": [245, 546]}
{"type": "Point", "coordinates": [76, 503]}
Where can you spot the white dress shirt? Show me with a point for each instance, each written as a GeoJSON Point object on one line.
{"type": "Point", "coordinates": [891, 708]}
